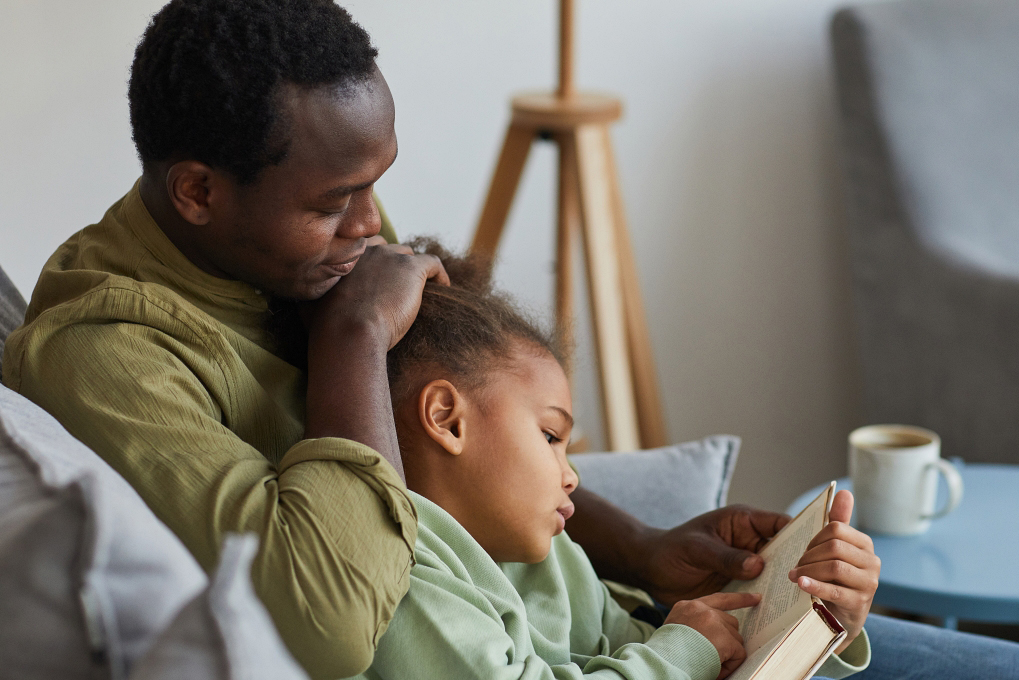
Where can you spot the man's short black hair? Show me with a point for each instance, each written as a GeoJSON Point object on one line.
{"type": "Point", "coordinates": [207, 76]}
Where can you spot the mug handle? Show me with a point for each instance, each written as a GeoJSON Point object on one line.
{"type": "Point", "coordinates": [954, 480]}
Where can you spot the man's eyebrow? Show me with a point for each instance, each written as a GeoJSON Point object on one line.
{"type": "Point", "coordinates": [341, 191]}
{"type": "Point", "coordinates": [564, 414]}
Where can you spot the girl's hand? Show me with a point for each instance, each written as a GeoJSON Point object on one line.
{"type": "Point", "coordinates": [707, 616]}
{"type": "Point", "coordinates": [841, 569]}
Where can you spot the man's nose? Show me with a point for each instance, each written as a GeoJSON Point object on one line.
{"type": "Point", "coordinates": [362, 218]}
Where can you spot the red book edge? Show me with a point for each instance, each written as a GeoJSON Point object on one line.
{"type": "Point", "coordinates": [832, 622]}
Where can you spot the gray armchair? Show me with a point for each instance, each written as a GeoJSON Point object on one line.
{"type": "Point", "coordinates": [929, 95]}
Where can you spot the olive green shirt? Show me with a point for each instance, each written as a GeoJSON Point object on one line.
{"type": "Point", "coordinates": [167, 373]}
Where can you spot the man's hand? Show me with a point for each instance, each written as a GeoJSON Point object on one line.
{"type": "Point", "coordinates": [350, 330]}
{"type": "Point", "coordinates": [841, 569]}
{"type": "Point", "coordinates": [707, 616]}
{"type": "Point", "coordinates": [380, 297]}
{"type": "Point", "coordinates": [701, 556]}
{"type": "Point", "coordinates": [691, 560]}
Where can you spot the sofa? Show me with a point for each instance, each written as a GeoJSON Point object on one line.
{"type": "Point", "coordinates": [93, 585]}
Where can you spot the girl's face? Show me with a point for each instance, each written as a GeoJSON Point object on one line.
{"type": "Point", "coordinates": [515, 495]}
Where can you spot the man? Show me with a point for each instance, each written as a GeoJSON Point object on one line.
{"type": "Point", "coordinates": [163, 336]}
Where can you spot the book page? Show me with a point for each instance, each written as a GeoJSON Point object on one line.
{"type": "Point", "coordinates": [756, 659]}
{"type": "Point", "coordinates": [782, 602]}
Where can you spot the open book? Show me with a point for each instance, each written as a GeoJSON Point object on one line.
{"type": "Point", "coordinates": [790, 633]}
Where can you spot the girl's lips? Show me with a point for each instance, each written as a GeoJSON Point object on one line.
{"type": "Point", "coordinates": [566, 511]}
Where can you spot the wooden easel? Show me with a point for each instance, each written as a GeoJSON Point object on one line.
{"type": "Point", "coordinates": [590, 205]}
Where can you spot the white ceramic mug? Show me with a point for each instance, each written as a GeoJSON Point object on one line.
{"type": "Point", "coordinates": [895, 470]}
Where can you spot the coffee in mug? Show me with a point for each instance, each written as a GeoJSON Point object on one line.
{"type": "Point", "coordinates": [895, 471]}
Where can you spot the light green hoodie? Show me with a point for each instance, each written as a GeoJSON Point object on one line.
{"type": "Point", "coordinates": [466, 616]}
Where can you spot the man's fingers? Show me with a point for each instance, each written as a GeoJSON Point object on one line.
{"type": "Point", "coordinates": [767, 524]}
{"type": "Point", "coordinates": [376, 241]}
{"type": "Point", "coordinates": [730, 601]}
{"type": "Point", "coordinates": [734, 563]}
{"type": "Point", "coordinates": [750, 530]}
{"type": "Point", "coordinates": [434, 270]}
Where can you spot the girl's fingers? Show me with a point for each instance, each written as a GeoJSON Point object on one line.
{"type": "Point", "coordinates": [843, 532]}
{"type": "Point", "coordinates": [837, 549]}
{"type": "Point", "coordinates": [734, 631]}
{"type": "Point", "coordinates": [730, 601]}
{"type": "Point", "coordinates": [837, 574]}
{"type": "Point", "coordinates": [846, 599]}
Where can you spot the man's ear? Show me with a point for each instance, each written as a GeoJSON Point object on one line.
{"type": "Point", "coordinates": [189, 184]}
{"type": "Point", "coordinates": [441, 413]}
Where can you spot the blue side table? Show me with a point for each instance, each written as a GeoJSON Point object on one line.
{"type": "Point", "coordinates": [967, 565]}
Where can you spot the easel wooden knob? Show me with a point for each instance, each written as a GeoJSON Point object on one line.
{"type": "Point", "coordinates": [589, 204]}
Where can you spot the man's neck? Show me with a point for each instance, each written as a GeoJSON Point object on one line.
{"type": "Point", "coordinates": [157, 201]}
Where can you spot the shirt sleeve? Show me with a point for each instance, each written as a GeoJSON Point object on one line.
{"type": "Point", "coordinates": [446, 628]}
{"type": "Point", "coordinates": [853, 659]}
{"type": "Point", "coordinates": [336, 525]}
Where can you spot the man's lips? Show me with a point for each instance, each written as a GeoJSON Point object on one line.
{"type": "Point", "coordinates": [343, 268]}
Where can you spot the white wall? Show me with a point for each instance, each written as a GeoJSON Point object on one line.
{"type": "Point", "coordinates": [727, 156]}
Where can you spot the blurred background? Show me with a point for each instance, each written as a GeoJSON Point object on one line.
{"type": "Point", "coordinates": [727, 156]}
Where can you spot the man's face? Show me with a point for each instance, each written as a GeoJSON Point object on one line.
{"type": "Point", "coordinates": [303, 223]}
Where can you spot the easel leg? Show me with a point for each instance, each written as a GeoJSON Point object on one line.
{"type": "Point", "coordinates": [642, 359]}
{"type": "Point", "coordinates": [500, 192]}
{"type": "Point", "coordinates": [612, 347]}
{"type": "Point", "coordinates": [568, 224]}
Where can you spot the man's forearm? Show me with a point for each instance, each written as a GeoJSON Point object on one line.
{"type": "Point", "coordinates": [613, 539]}
{"type": "Point", "coordinates": [348, 393]}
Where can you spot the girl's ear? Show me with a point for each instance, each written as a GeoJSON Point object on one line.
{"type": "Point", "coordinates": [441, 413]}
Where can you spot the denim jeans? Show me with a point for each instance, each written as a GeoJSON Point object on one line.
{"type": "Point", "coordinates": [903, 650]}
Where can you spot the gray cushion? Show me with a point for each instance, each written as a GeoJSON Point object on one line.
{"type": "Point", "coordinates": [930, 109]}
{"type": "Point", "coordinates": [42, 550]}
{"type": "Point", "coordinates": [130, 574]}
{"type": "Point", "coordinates": [663, 487]}
{"type": "Point", "coordinates": [225, 633]}
{"type": "Point", "coordinates": [12, 308]}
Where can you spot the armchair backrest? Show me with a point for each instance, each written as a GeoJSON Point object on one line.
{"type": "Point", "coordinates": [929, 96]}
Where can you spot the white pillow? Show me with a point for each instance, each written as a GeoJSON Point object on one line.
{"type": "Point", "coordinates": [130, 574]}
{"type": "Point", "coordinates": [225, 633]}
{"type": "Point", "coordinates": [663, 487]}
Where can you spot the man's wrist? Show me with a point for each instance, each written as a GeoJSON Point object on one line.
{"type": "Point", "coordinates": [348, 391]}
{"type": "Point", "coordinates": [347, 337]}
{"type": "Point", "coordinates": [640, 556]}
{"type": "Point", "coordinates": [619, 545]}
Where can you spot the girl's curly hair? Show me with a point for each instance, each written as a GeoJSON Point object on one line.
{"type": "Point", "coordinates": [465, 328]}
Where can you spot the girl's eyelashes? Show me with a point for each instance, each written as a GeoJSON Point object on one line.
{"type": "Point", "coordinates": [551, 438]}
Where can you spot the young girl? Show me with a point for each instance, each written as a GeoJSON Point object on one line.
{"type": "Point", "coordinates": [483, 414]}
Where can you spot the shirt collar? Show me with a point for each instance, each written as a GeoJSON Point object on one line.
{"type": "Point", "coordinates": [144, 227]}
